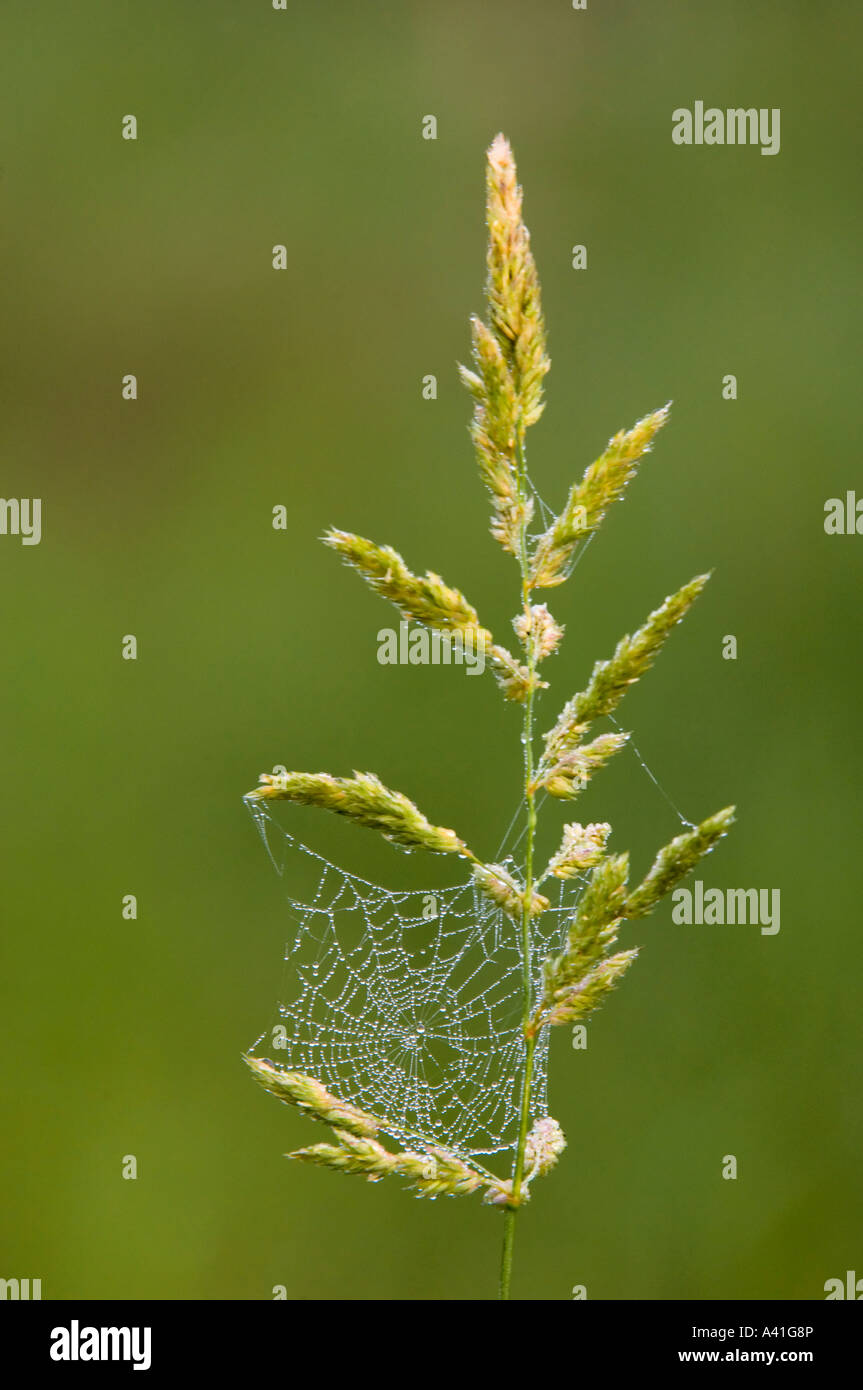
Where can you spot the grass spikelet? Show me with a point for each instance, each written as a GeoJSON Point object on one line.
{"type": "Point", "coordinates": [434, 1173]}
{"type": "Point", "coordinates": [575, 766]}
{"type": "Point", "coordinates": [611, 679]}
{"type": "Point", "coordinates": [544, 1145]}
{"type": "Point", "coordinates": [517, 681]}
{"type": "Point", "coordinates": [500, 887]}
{"type": "Point", "coordinates": [581, 999]}
{"type": "Point", "coordinates": [512, 286]}
{"type": "Point", "coordinates": [313, 1099]}
{"type": "Point", "coordinates": [430, 601]}
{"type": "Point", "coordinates": [591, 933]}
{"type": "Point", "coordinates": [494, 431]}
{"type": "Point", "coordinates": [581, 848]}
{"type": "Point", "coordinates": [676, 859]}
{"type": "Point", "coordinates": [538, 632]}
{"type": "Point", "coordinates": [604, 898]}
{"type": "Point", "coordinates": [365, 800]}
{"type": "Point", "coordinates": [509, 353]}
{"type": "Point", "coordinates": [603, 483]}
{"type": "Point", "coordinates": [427, 599]}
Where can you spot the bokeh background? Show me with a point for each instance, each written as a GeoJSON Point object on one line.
{"type": "Point", "coordinates": [256, 647]}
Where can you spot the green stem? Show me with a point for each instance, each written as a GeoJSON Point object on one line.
{"type": "Point", "coordinates": [530, 813]}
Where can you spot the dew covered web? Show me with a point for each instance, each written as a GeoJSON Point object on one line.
{"type": "Point", "coordinates": [409, 1004]}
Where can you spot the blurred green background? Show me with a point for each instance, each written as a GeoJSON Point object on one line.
{"type": "Point", "coordinates": [256, 647]}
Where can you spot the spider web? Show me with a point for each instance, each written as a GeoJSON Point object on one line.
{"type": "Point", "coordinates": [409, 1004]}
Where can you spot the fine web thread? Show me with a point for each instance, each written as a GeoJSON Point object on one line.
{"type": "Point", "coordinates": [688, 824]}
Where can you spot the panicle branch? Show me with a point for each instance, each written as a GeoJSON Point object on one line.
{"type": "Point", "coordinates": [432, 602]}
{"type": "Point", "coordinates": [577, 981]}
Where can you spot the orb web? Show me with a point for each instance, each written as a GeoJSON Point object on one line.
{"type": "Point", "coordinates": [408, 1004]}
